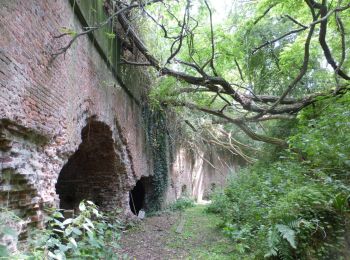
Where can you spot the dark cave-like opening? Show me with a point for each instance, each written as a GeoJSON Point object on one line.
{"type": "Point", "coordinates": [92, 172]}
{"type": "Point", "coordinates": [137, 197]}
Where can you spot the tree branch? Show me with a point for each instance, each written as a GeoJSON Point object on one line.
{"type": "Point", "coordinates": [88, 30]}
{"type": "Point", "coordinates": [239, 122]}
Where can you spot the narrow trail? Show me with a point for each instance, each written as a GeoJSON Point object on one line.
{"type": "Point", "coordinates": [192, 234]}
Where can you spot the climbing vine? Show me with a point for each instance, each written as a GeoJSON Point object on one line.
{"type": "Point", "coordinates": [156, 134]}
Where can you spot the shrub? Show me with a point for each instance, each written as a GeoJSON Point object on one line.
{"type": "Point", "coordinates": [182, 204]}
{"type": "Point", "coordinates": [220, 204]}
{"type": "Point", "coordinates": [295, 205]}
{"type": "Point", "coordinates": [89, 235]}
{"type": "Point", "coordinates": [277, 210]}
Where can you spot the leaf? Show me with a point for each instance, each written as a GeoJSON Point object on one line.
{"type": "Point", "coordinates": [340, 202]}
{"type": "Point", "coordinates": [82, 206]}
{"type": "Point", "coordinates": [288, 234]}
{"type": "Point", "coordinates": [52, 255]}
{"type": "Point", "coordinates": [58, 230]}
{"type": "Point", "coordinates": [68, 231]}
{"type": "Point", "coordinates": [67, 221]}
{"type": "Point", "coordinates": [77, 231]}
{"type": "Point", "coordinates": [87, 227]}
{"type": "Point", "coordinates": [110, 35]}
{"type": "Point", "coordinates": [95, 211]}
{"type": "Point", "coordinates": [89, 222]}
{"type": "Point", "coordinates": [55, 256]}
{"type": "Point", "coordinates": [68, 31]}
{"type": "Point", "coordinates": [272, 252]}
{"type": "Point", "coordinates": [57, 214]}
{"type": "Point", "coordinates": [74, 243]}
{"type": "Point", "coordinates": [62, 248]}
{"type": "Point", "coordinates": [58, 223]}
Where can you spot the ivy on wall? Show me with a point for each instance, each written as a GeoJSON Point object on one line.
{"type": "Point", "coordinates": [156, 134]}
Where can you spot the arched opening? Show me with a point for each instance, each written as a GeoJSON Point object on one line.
{"type": "Point", "coordinates": [209, 191]}
{"type": "Point", "coordinates": [142, 196]}
{"type": "Point", "coordinates": [184, 190]}
{"type": "Point", "coordinates": [93, 171]}
{"type": "Point", "coordinates": [137, 197]}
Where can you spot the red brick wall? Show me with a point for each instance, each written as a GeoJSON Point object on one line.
{"type": "Point", "coordinates": [45, 103]}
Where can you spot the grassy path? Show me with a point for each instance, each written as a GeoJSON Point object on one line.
{"type": "Point", "coordinates": [192, 234]}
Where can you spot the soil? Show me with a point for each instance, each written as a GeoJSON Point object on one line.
{"type": "Point", "coordinates": [191, 234]}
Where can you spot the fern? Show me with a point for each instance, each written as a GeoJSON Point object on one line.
{"type": "Point", "coordinates": [273, 240]}
{"type": "Point", "coordinates": [288, 234]}
{"type": "Point", "coordinates": [282, 238]}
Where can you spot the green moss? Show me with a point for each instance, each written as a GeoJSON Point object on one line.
{"type": "Point", "coordinates": [200, 237]}
{"type": "Point", "coordinates": [93, 13]}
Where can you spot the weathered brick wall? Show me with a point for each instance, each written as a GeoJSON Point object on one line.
{"type": "Point", "coordinates": [71, 115]}
{"type": "Point", "coordinates": [45, 103]}
{"type": "Point", "coordinates": [198, 173]}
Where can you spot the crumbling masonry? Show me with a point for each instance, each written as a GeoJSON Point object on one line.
{"type": "Point", "coordinates": [72, 127]}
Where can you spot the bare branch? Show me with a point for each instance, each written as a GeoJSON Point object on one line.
{"type": "Point", "coordinates": [211, 61]}
{"type": "Point", "coordinates": [302, 71]}
{"type": "Point", "coordinates": [278, 39]}
{"type": "Point", "coordinates": [194, 66]}
{"type": "Point", "coordinates": [133, 63]}
{"type": "Point", "coordinates": [264, 14]}
{"type": "Point", "coordinates": [181, 35]}
{"type": "Point", "coordinates": [343, 47]}
{"type": "Point", "coordinates": [323, 32]}
{"type": "Point", "coordinates": [295, 21]}
{"type": "Point", "coordinates": [88, 30]}
{"type": "Point", "coordinates": [239, 69]}
{"type": "Point", "coordinates": [239, 122]}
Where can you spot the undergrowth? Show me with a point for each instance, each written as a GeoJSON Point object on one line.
{"type": "Point", "coordinates": [182, 204]}
{"type": "Point", "coordinates": [297, 206]}
{"type": "Point", "coordinates": [89, 235]}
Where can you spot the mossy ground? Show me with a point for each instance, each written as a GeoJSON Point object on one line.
{"type": "Point", "coordinates": [157, 237]}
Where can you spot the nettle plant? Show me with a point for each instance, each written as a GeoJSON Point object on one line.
{"type": "Point", "coordinates": [89, 235]}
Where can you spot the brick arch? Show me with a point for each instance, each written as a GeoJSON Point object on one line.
{"type": "Point", "coordinates": [94, 172]}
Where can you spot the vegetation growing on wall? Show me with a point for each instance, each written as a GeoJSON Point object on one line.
{"type": "Point", "coordinates": [260, 62]}
{"type": "Point", "coordinates": [265, 61]}
{"type": "Point", "coordinates": [155, 122]}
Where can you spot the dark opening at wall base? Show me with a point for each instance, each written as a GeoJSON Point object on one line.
{"type": "Point", "coordinates": [142, 195]}
{"type": "Point", "coordinates": [137, 197]}
{"type": "Point", "coordinates": [92, 172]}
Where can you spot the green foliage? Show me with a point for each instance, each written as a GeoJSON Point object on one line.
{"type": "Point", "coordinates": [68, 31]}
{"type": "Point", "coordinates": [182, 204]}
{"type": "Point", "coordinates": [8, 222]}
{"type": "Point", "coordinates": [164, 87]}
{"type": "Point", "coordinates": [322, 136]}
{"type": "Point", "coordinates": [220, 204]}
{"type": "Point", "coordinates": [155, 122]}
{"type": "Point", "coordinates": [297, 206]}
{"type": "Point", "coordinates": [89, 235]}
{"type": "Point", "coordinates": [247, 25]}
{"type": "Point", "coordinates": [110, 35]}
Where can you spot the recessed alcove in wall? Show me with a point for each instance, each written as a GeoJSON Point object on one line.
{"type": "Point", "coordinates": [140, 196]}
{"type": "Point", "coordinates": [184, 190]}
{"type": "Point", "coordinates": [93, 171]}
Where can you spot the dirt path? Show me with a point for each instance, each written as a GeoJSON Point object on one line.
{"type": "Point", "coordinates": [192, 234]}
